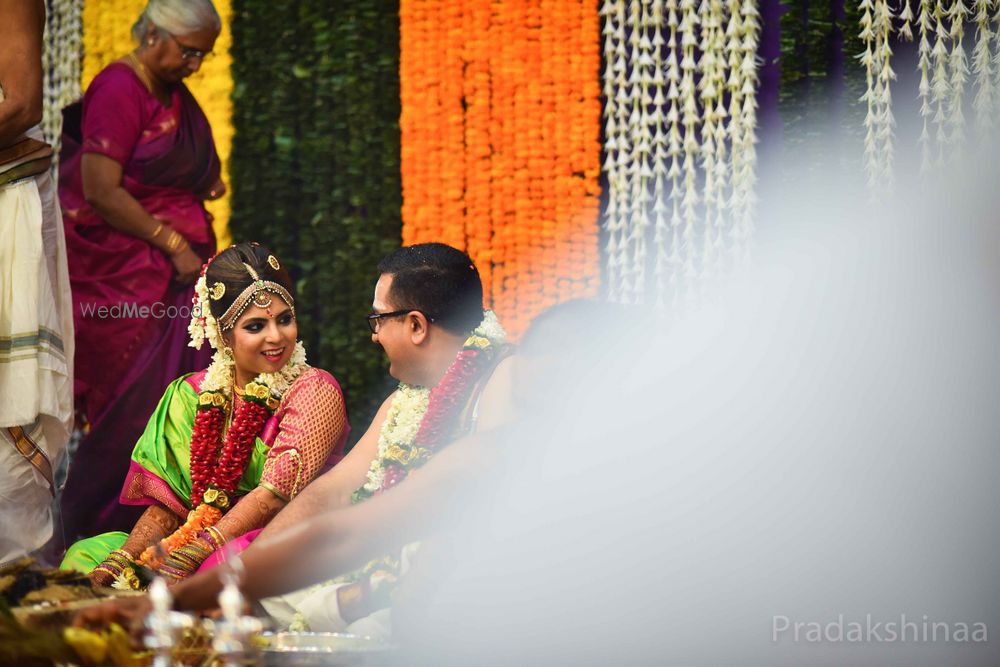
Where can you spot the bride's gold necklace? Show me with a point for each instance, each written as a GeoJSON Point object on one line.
{"type": "Point", "coordinates": [237, 392]}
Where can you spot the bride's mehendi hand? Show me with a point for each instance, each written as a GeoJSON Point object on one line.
{"type": "Point", "coordinates": [184, 561]}
{"type": "Point", "coordinates": [253, 511]}
{"type": "Point", "coordinates": [155, 523]}
{"type": "Point", "coordinates": [100, 579]}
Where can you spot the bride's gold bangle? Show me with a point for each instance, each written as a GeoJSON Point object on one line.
{"type": "Point", "coordinates": [159, 228]}
{"type": "Point", "coordinates": [217, 536]}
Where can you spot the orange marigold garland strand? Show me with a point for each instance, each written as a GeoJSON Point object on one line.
{"type": "Point", "coordinates": [500, 144]}
{"type": "Point", "coordinates": [476, 94]}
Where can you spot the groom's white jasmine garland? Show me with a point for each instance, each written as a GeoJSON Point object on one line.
{"type": "Point", "coordinates": [398, 435]}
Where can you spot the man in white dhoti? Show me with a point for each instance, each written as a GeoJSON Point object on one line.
{"type": "Point", "coordinates": [36, 320]}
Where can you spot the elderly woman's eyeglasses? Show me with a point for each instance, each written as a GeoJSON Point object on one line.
{"type": "Point", "coordinates": [187, 53]}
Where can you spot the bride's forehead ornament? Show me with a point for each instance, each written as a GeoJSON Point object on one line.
{"type": "Point", "coordinates": [257, 293]}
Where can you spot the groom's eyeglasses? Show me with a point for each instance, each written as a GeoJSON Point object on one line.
{"type": "Point", "coordinates": [375, 319]}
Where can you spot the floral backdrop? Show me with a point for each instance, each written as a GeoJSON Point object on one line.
{"type": "Point", "coordinates": [577, 148]}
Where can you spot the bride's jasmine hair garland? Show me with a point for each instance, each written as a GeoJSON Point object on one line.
{"type": "Point", "coordinates": [203, 325]}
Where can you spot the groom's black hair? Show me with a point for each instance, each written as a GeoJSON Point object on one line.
{"type": "Point", "coordinates": [439, 281]}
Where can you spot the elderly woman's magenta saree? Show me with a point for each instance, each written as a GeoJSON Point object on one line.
{"type": "Point", "coordinates": [125, 360]}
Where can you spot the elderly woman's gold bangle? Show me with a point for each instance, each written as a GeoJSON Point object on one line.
{"type": "Point", "coordinates": [175, 243]}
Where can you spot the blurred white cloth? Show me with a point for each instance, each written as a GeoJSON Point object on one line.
{"type": "Point", "coordinates": [36, 352]}
{"type": "Point", "coordinates": [25, 500]}
{"type": "Point", "coordinates": [316, 605]}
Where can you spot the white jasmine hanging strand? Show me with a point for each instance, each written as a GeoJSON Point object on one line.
{"type": "Point", "coordinates": [982, 67]}
{"type": "Point", "coordinates": [734, 130]}
{"type": "Point", "coordinates": [886, 75]}
{"type": "Point", "coordinates": [640, 172]}
{"type": "Point", "coordinates": [625, 164]}
{"type": "Point", "coordinates": [924, 64]}
{"type": "Point", "coordinates": [610, 166]}
{"type": "Point", "coordinates": [674, 145]}
{"type": "Point", "coordinates": [615, 163]}
{"type": "Point", "coordinates": [906, 18]}
{"type": "Point", "coordinates": [710, 92]}
{"type": "Point", "coordinates": [939, 81]}
{"type": "Point", "coordinates": [746, 179]}
{"type": "Point", "coordinates": [610, 89]}
{"type": "Point", "coordinates": [61, 65]}
{"type": "Point", "coordinates": [722, 163]}
{"type": "Point", "coordinates": [661, 234]}
{"type": "Point", "coordinates": [871, 96]}
{"type": "Point", "coordinates": [690, 121]}
{"type": "Point", "coordinates": [959, 72]}
{"type": "Point", "coordinates": [996, 43]}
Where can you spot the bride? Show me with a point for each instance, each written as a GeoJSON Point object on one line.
{"type": "Point", "coordinates": [229, 446]}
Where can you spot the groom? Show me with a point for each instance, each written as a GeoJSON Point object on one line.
{"type": "Point", "coordinates": [428, 317]}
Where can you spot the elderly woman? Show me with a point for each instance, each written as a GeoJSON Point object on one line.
{"type": "Point", "coordinates": [228, 446]}
{"type": "Point", "coordinates": [138, 163]}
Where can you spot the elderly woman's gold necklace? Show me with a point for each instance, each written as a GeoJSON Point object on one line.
{"type": "Point", "coordinates": [142, 72]}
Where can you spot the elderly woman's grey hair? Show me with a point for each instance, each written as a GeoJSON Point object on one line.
{"type": "Point", "coordinates": [177, 17]}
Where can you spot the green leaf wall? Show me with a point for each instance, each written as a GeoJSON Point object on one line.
{"type": "Point", "coordinates": [315, 167]}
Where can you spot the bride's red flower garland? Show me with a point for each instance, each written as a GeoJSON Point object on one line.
{"type": "Point", "coordinates": [223, 472]}
{"type": "Point", "coordinates": [215, 472]}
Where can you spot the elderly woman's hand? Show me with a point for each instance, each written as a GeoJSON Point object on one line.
{"type": "Point", "coordinates": [216, 191]}
{"type": "Point", "coordinates": [187, 265]}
